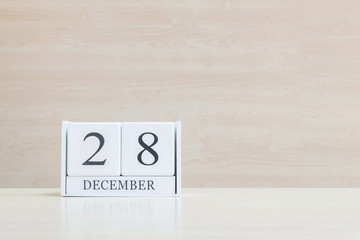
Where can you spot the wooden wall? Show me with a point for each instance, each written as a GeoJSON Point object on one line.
{"type": "Point", "coordinates": [268, 91]}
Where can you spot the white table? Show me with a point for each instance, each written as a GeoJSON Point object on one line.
{"type": "Point", "coordinates": [205, 213]}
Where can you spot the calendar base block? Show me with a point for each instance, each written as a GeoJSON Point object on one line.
{"type": "Point", "coordinates": [120, 186]}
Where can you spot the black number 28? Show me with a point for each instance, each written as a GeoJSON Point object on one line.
{"type": "Point", "coordinates": [102, 141]}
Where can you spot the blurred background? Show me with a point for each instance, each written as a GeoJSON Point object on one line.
{"type": "Point", "coordinates": [268, 92]}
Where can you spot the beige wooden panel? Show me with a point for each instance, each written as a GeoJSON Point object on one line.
{"type": "Point", "coordinates": [268, 91]}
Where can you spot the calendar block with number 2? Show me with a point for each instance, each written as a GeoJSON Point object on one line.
{"type": "Point", "coordinates": [121, 159]}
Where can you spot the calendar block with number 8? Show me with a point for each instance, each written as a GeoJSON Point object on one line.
{"type": "Point", "coordinates": [121, 159]}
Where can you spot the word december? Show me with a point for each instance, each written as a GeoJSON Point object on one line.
{"type": "Point", "coordinates": [118, 185]}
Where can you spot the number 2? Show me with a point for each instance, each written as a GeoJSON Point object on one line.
{"type": "Point", "coordinates": [102, 141]}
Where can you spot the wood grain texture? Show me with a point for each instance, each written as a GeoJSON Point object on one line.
{"type": "Point", "coordinates": [268, 91]}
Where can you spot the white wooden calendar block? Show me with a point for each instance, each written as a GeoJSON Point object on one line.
{"type": "Point", "coordinates": [148, 149]}
{"type": "Point", "coordinates": [93, 149]}
{"type": "Point", "coordinates": [121, 159]}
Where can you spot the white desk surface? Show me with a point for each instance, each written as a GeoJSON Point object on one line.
{"type": "Point", "coordinates": [204, 213]}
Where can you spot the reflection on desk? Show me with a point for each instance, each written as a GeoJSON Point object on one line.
{"type": "Point", "coordinates": [122, 214]}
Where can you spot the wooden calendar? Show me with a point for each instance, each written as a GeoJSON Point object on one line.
{"type": "Point", "coordinates": [121, 159]}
